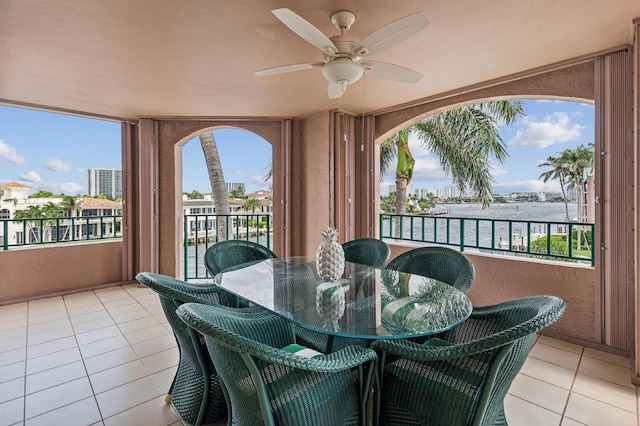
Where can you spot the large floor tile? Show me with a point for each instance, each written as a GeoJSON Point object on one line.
{"type": "Point", "coordinates": [523, 413]}
{"type": "Point", "coordinates": [10, 324]}
{"type": "Point", "coordinates": [606, 371]}
{"type": "Point", "coordinates": [54, 377]}
{"type": "Point", "coordinates": [102, 346]}
{"type": "Point", "coordinates": [12, 412]}
{"type": "Point", "coordinates": [607, 392]}
{"type": "Point", "coordinates": [48, 336]}
{"type": "Point", "coordinates": [118, 376]}
{"type": "Point", "coordinates": [46, 348]}
{"type": "Point", "coordinates": [152, 346]}
{"type": "Point", "coordinates": [591, 412]}
{"type": "Point", "coordinates": [14, 333]}
{"type": "Point", "coordinates": [57, 397]}
{"type": "Point", "coordinates": [12, 371]}
{"type": "Point", "coordinates": [164, 378]}
{"type": "Point", "coordinates": [146, 334]}
{"type": "Point", "coordinates": [138, 324]}
{"type": "Point", "coordinates": [122, 398]}
{"type": "Point", "coordinates": [56, 359]}
{"type": "Point", "coordinates": [53, 316]}
{"type": "Point", "coordinates": [541, 393]}
{"type": "Point", "coordinates": [11, 389]}
{"type": "Point", "coordinates": [610, 358]}
{"type": "Point", "coordinates": [162, 360]}
{"type": "Point", "coordinates": [548, 372]}
{"type": "Point", "coordinates": [13, 356]}
{"type": "Point", "coordinates": [110, 359]}
{"type": "Point", "coordinates": [97, 324]}
{"type": "Point", "coordinates": [97, 335]}
{"type": "Point", "coordinates": [80, 413]}
{"type": "Point", "coordinates": [155, 412]}
{"type": "Point", "coordinates": [136, 314]}
{"type": "Point", "coordinates": [554, 355]}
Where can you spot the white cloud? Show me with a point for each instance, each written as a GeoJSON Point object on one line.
{"type": "Point", "coordinates": [260, 180]}
{"type": "Point", "coordinates": [427, 169]}
{"type": "Point", "coordinates": [58, 165]}
{"type": "Point", "coordinates": [31, 177]}
{"type": "Point", "coordinates": [10, 154]}
{"type": "Point", "coordinates": [554, 129]}
{"type": "Point", "coordinates": [69, 188]}
{"type": "Point", "coordinates": [533, 185]}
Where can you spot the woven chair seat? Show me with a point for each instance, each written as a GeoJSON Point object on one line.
{"type": "Point", "coordinates": [270, 386]}
{"type": "Point", "coordinates": [463, 378]}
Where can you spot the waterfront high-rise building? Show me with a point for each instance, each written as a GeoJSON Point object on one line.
{"type": "Point", "coordinates": [104, 181]}
{"type": "Point", "coordinates": [234, 186]}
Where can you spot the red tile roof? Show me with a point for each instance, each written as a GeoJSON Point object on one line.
{"type": "Point", "coordinates": [100, 203]}
{"type": "Point", "coordinates": [14, 185]}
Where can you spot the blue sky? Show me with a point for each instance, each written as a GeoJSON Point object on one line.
{"type": "Point", "coordinates": [53, 151]}
{"type": "Point", "coordinates": [548, 128]}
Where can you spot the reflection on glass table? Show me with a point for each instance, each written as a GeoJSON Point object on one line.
{"type": "Point", "coordinates": [365, 303]}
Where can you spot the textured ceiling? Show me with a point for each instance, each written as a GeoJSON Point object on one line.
{"type": "Point", "coordinates": [159, 58]}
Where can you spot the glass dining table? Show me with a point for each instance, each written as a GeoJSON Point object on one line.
{"type": "Point", "coordinates": [365, 303]}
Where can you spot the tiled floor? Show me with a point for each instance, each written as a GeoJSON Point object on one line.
{"type": "Point", "coordinates": [107, 357]}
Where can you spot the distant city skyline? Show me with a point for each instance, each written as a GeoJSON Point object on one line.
{"type": "Point", "coordinates": [53, 152]}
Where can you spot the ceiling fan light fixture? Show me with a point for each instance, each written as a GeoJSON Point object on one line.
{"type": "Point", "coordinates": [342, 71]}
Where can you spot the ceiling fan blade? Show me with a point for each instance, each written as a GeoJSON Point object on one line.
{"type": "Point", "coordinates": [289, 68]}
{"type": "Point", "coordinates": [391, 34]}
{"type": "Point", "coordinates": [304, 29]}
{"type": "Point", "coordinates": [392, 72]}
{"type": "Point", "coordinates": [336, 90]}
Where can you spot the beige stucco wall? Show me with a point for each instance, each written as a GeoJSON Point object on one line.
{"type": "Point", "coordinates": [35, 272]}
{"type": "Point", "coordinates": [500, 278]}
{"type": "Point", "coordinates": [310, 182]}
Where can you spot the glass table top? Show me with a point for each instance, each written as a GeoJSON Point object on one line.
{"type": "Point", "coordinates": [366, 302]}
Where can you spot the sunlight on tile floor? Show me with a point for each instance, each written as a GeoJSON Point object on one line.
{"type": "Point", "coordinates": [107, 357]}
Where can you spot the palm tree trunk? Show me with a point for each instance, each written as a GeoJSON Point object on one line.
{"type": "Point", "coordinates": [218, 186]}
{"type": "Point", "coordinates": [401, 201]}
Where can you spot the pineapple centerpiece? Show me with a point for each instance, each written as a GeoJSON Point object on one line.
{"type": "Point", "coordinates": [330, 256]}
{"type": "Point", "coordinates": [330, 299]}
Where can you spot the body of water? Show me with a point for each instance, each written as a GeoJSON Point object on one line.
{"type": "Point", "coordinates": [514, 211]}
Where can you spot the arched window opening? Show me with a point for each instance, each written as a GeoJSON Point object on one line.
{"type": "Point", "coordinates": [237, 164]}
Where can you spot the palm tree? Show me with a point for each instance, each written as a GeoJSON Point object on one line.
{"type": "Point", "coordinates": [71, 205]}
{"type": "Point", "coordinates": [569, 169]}
{"type": "Point", "coordinates": [32, 212]}
{"type": "Point", "coordinates": [251, 205]}
{"type": "Point", "coordinates": [218, 186]}
{"type": "Point", "coordinates": [465, 140]}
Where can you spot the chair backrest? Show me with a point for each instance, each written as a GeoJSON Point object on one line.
{"type": "Point", "coordinates": [172, 293]}
{"type": "Point", "coordinates": [366, 251]}
{"type": "Point", "coordinates": [441, 263]}
{"type": "Point", "coordinates": [268, 386]}
{"type": "Point", "coordinates": [482, 356]}
{"type": "Point", "coordinates": [225, 254]}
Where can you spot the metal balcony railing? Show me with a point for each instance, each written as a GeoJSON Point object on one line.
{"type": "Point", "coordinates": [41, 231]}
{"type": "Point", "coordinates": [203, 230]}
{"type": "Point", "coordinates": [566, 241]}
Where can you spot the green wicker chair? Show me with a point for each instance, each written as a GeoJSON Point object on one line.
{"type": "Point", "coordinates": [462, 377]}
{"type": "Point", "coordinates": [366, 251]}
{"type": "Point", "coordinates": [226, 254]}
{"type": "Point", "coordinates": [269, 386]}
{"type": "Point", "coordinates": [195, 391]}
{"type": "Point", "coordinates": [441, 263]}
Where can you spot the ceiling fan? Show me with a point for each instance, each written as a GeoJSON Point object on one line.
{"type": "Point", "coordinates": [344, 56]}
